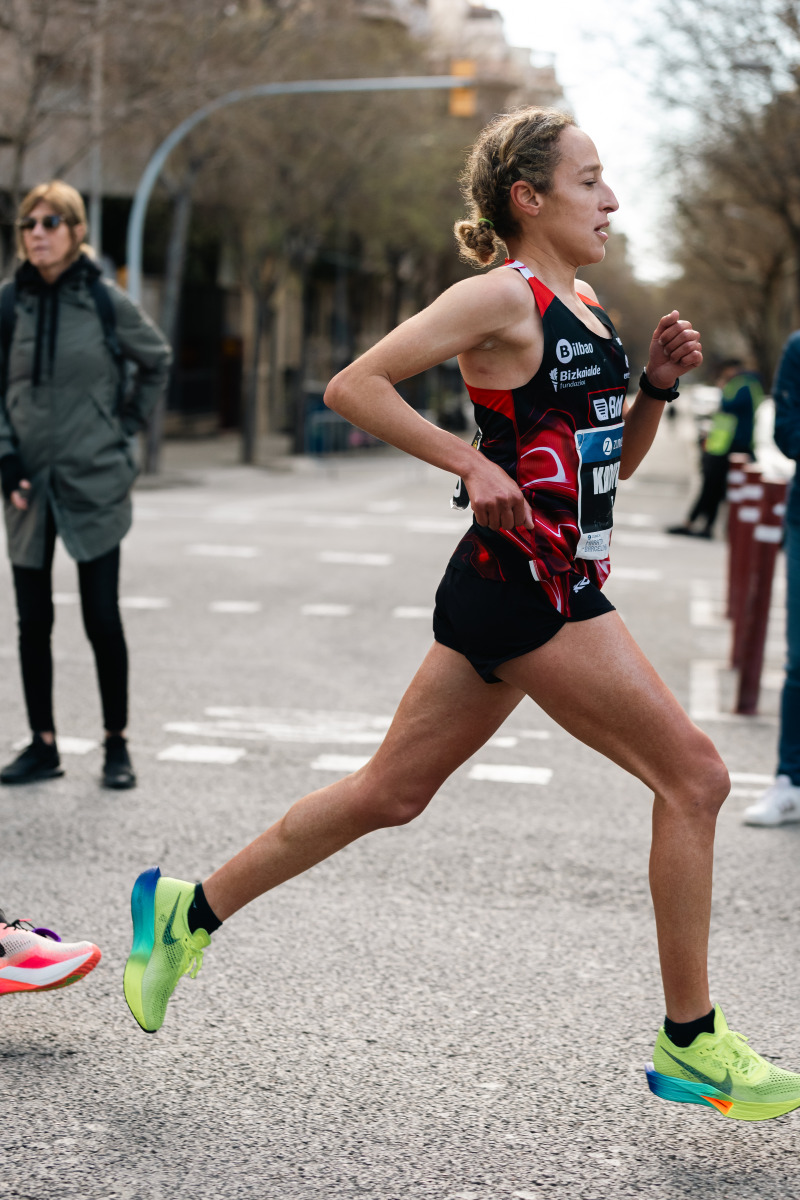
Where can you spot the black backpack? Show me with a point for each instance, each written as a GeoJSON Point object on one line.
{"type": "Point", "coordinates": [108, 320]}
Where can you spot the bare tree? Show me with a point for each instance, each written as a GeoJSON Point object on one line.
{"type": "Point", "coordinates": [729, 72]}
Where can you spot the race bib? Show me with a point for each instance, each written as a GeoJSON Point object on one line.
{"type": "Point", "coordinates": [598, 471]}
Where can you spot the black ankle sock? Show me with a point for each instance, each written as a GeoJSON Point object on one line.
{"type": "Point", "coordinates": [683, 1033]}
{"type": "Point", "coordinates": [201, 915]}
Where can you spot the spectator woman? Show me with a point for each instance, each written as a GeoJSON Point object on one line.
{"type": "Point", "coordinates": [67, 464]}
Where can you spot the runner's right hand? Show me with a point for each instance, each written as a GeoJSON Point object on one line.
{"type": "Point", "coordinates": [495, 498]}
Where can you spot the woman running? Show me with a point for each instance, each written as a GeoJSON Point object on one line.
{"type": "Point", "coordinates": [519, 611]}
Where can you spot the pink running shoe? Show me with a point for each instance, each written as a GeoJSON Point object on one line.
{"type": "Point", "coordinates": [36, 960]}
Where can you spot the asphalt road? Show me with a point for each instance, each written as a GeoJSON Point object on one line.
{"type": "Point", "coordinates": [457, 1010]}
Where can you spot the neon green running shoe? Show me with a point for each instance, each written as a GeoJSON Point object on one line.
{"type": "Point", "coordinates": [163, 948]}
{"type": "Point", "coordinates": [719, 1070]}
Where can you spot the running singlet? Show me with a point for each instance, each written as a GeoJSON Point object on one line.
{"type": "Point", "coordinates": [559, 436]}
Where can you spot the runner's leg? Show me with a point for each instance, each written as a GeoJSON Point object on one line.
{"type": "Point", "coordinates": [447, 713]}
{"type": "Point", "coordinates": [595, 681]}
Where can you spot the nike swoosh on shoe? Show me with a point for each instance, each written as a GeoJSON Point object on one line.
{"type": "Point", "coordinates": [167, 937]}
{"type": "Point", "coordinates": [724, 1085]}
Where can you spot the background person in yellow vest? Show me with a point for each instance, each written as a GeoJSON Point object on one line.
{"type": "Point", "coordinates": [731, 431]}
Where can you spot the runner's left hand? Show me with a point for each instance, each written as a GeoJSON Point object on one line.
{"type": "Point", "coordinates": [674, 350]}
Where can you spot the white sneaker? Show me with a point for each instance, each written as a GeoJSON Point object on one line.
{"type": "Point", "coordinates": [779, 804]}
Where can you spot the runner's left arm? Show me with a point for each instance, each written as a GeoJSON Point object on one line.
{"type": "Point", "coordinates": [674, 350]}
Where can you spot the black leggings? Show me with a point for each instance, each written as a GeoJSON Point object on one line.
{"type": "Point", "coordinates": [99, 588]}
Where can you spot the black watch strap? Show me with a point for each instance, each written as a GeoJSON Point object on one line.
{"type": "Point", "coordinates": [656, 393]}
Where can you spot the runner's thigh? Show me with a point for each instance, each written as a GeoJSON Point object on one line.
{"type": "Point", "coordinates": [595, 681]}
{"type": "Point", "coordinates": [447, 713]}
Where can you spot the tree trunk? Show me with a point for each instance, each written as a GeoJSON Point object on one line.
{"type": "Point", "coordinates": [250, 408]}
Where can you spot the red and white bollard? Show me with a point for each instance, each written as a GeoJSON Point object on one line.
{"type": "Point", "coordinates": [744, 517]}
{"type": "Point", "coordinates": [765, 544]}
{"type": "Point", "coordinates": [737, 478]}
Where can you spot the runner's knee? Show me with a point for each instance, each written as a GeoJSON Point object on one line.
{"type": "Point", "coordinates": [386, 801]}
{"type": "Point", "coordinates": [704, 783]}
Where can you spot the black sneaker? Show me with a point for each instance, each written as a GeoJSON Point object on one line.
{"type": "Point", "coordinates": [117, 769]}
{"type": "Point", "coordinates": [39, 760]}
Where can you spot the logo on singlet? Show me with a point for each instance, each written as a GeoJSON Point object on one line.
{"type": "Point", "coordinates": [608, 407]}
{"type": "Point", "coordinates": [573, 377]}
{"type": "Point", "coordinates": [566, 350]}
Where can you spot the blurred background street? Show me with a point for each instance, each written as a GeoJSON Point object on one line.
{"type": "Point", "coordinates": [458, 1009]}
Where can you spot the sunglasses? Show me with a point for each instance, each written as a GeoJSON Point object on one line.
{"type": "Point", "coordinates": [50, 222]}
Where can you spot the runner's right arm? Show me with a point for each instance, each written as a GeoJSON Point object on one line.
{"type": "Point", "coordinates": [482, 312]}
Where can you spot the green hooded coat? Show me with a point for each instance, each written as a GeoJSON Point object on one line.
{"type": "Point", "coordinates": [59, 412]}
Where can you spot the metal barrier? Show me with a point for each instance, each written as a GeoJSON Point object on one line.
{"type": "Point", "coordinates": [755, 533]}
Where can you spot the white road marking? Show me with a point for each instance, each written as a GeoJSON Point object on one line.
{"type": "Point", "coordinates": [637, 520]}
{"type": "Point", "coordinates": [338, 762]}
{"type": "Point", "coordinates": [385, 506]}
{"type": "Point", "coordinates": [144, 602]}
{"type": "Point", "coordinates": [705, 614]}
{"type": "Point", "coordinates": [349, 558]}
{"type": "Point", "coordinates": [326, 610]}
{"type": "Point", "coordinates": [412, 612]}
{"type": "Point", "coordinates": [743, 777]}
{"type": "Point", "coordinates": [705, 609]}
{"type": "Point", "coordinates": [705, 696]}
{"type": "Point", "coordinates": [773, 679]}
{"type": "Point", "coordinates": [66, 745]}
{"type": "Point", "coordinates": [432, 525]}
{"type": "Point", "coordinates": [704, 690]}
{"type": "Point", "coordinates": [637, 574]}
{"type": "Point", "coordinates": [76, 745]}
{"type": "Point", "coordinates": [503, 743]}
{"type": "Point", "coordinates": [206, 550]}
{"type": "Point", "coordinates": [645, 541]}
{"type": "Point", "coordinates": [336, 521]}
{"type": "Point", "coordinates": [230, 514]}
{"type": "Point", "coordinates": [510, 773]}
{"type": "Point", "coordinates": [287, 725]}
{"type": "Point", "coordinates": [540, 735]}
{"type": "Point", "coordinates": [206, 729]}
{"type": "Point", "coordinates": [202, 754]}
{"type": "Point", "coordinates": [234, 606]}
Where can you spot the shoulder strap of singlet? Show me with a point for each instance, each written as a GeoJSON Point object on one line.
{"type": "Point", "coordinates": [544, 297]}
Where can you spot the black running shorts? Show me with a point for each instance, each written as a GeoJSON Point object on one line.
{"type": "Point", "coordinates": [492, 621]}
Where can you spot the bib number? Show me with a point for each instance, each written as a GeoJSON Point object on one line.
{"type": "Point", "coordinates": [599, 453]}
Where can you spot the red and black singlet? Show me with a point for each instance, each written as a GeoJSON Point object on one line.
{"type": "Point", "coordinates": [559, 436]}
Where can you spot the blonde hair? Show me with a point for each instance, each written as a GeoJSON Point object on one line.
{"type": "Point", "coordinates": [516, 145]}
{"type": "Point", "coordinates": [64, 199]}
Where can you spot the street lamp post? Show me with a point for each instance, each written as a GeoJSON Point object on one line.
{"type": "Point", "coordinates": [295, 87]}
